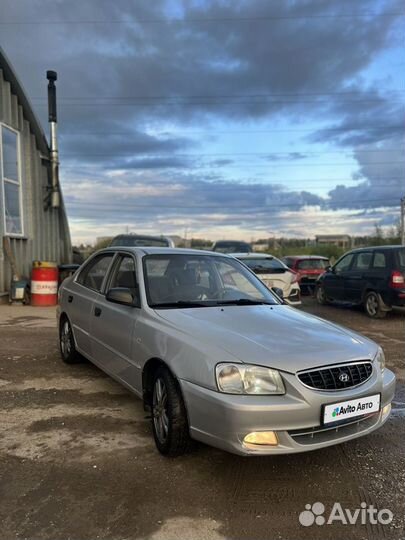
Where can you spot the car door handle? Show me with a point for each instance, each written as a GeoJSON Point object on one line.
{"type": "Point", "coordinates": [70, 298]}
{"type": "Point", "coordinates": [97, 311]}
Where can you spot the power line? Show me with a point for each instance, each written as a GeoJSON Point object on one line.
{"type": "Point", "coordinates": [398, 127]}
{"type": "Point", "coordinates": [269, 164]}
{"type": "Point", "coordinates": [121, 204]}
{"type": "Point", "coordinates": [329, 181]}
{"type": "Point", "coordinates": [164, 21]}
{"type": "Point", "coordinates": [221, 96]}
{"type": "Point", "coordinates": [290, 156]}
{"type": "Point", "coordinates": [222, 103]}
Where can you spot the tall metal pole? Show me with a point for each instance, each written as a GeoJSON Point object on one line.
{"type": "Point", "coordinates": [403, 221]}
{"type": "Point", "coordinates": [55, 193]}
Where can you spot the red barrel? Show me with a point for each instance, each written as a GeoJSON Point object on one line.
{"type": "Point", "coordinates": [44, 283]}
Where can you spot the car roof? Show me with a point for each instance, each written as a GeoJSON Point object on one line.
{"type": "Point", "coordinates": [146, 250]}
{"type": "Point", "coordinates": [373, 248]}
{"type": "Point", "coordinates": [252, 254]}
{"type": "Point", "coordinates": [231, 242]}
{"type": "Point", "coordinates": [134, 235]}
{"type": "Point", "coordinates": [301, 257]}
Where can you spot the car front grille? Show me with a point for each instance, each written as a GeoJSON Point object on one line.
{"type": "Point", "coordinates": [337, 377]}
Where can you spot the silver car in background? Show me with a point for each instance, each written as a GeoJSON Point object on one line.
{"type": "Point", "coordinates": [216, 357]}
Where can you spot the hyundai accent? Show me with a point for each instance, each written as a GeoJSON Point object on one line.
{"type": "Point", "coordinates": [216, 357]}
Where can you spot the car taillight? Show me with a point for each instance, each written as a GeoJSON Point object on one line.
{"type": "Point", "coordinates": [295, 276]}
{"type": "Point", "coordinates": [397, 280]}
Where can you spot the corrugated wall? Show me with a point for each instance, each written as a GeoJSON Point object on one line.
{"type": "Point", "coordinates": [46, 233]}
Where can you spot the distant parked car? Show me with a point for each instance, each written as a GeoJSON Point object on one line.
{"type": "Point", "coordinates": [231, 247]}
{"type": "Point", "coordinates": [138, 240]}
{"type": "Point", "coordinates": [274, 273]}
{"type": "Point", "coordinates": [373, 277]}
{"type": "Point", "coordinates": [308, 267]}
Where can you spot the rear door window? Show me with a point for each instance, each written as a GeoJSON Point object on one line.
{"type": "Point", "coordinates": [379, 261]}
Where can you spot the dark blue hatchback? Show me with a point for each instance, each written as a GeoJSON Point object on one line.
{"type": "Point", "coordinates": [373, 277]}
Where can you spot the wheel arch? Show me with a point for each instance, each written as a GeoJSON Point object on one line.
{"type": "Point", "coordinates": [65, 317]}
{"type": "Point", "coordinates": [149, 369]}
{"type": "Point", "coordinates": [62, 317]}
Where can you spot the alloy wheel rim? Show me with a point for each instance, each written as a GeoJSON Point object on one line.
{"type": "Point", "coordinates": [160, 414]}
{"type": "Point", "coordinates": [65, 341]}
{"type": "Point", "coordinates": [372, 304]}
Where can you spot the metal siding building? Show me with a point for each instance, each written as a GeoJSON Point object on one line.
{"type": "Point", "coordinates": [35, 229]}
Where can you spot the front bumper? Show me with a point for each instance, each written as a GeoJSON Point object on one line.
{"type": "Point", "coordinates": [223, 420]}
{"type": "Point", "coordinates": [294, 298]}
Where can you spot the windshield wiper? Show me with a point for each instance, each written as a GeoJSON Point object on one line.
{"type": "Point", "coordinates": [178, 304]}
{"type": "Point", "coordinates": [244, 302]}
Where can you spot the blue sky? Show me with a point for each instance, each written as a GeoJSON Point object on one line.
{"type": "Point", "coordinates": [238, 119]}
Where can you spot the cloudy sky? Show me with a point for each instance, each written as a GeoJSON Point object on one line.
{"type": "Point", "coordinates": [222, 118]}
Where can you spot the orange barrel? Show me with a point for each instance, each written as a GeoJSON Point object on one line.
{"type": "Point", "coordinates": [44, 283]}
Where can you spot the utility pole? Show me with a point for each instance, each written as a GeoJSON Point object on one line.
{"type": "Point", "coordinates": [403, 221]}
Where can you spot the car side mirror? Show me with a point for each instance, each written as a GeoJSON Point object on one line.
{"type": "Point", "coordinates": [278, 292]}
{"type": "Point", "coordinates": [121, 295]}
{"type": "Point", "coordinates": [329, 269]}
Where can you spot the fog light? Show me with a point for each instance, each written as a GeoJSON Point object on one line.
{"type": "Point", "coordinates": [387, 409]}
{"type": "Point", "coordinates": [261, 438]}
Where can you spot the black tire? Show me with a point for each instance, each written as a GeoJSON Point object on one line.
{"type": "Point", "coordinates": [372, 306]}
{"type": "Point", "coordinates": [67, 343]}
{"type": "Point", "coordinates": [321, 296]}
{"type": "Point", "coordinates": [169, 416]}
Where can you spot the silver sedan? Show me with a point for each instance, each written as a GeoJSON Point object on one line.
{"type": "Point", "coordinates": [217, 357]}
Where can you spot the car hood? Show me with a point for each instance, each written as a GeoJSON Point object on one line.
{"type": "Point", "coordinates": [275, 336]}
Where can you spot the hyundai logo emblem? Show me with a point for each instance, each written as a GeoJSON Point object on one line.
{"type": "Point", "coordinates": [344, 377]}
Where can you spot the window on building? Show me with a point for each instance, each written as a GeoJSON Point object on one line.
{"type": "Point", "coordinates": [10, 180]}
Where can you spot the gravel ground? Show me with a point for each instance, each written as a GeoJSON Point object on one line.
{"type": "Point", "coordinates": [77, 459]}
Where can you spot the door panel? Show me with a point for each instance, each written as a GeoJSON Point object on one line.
{"type": "Point", "coordinates": [333, 281]}
{"type": "Point", "coordinates": [113, 326]}
{"type": "Point", "coordinates": [79, 313]}
{"type": "Point", "coordinates": [333, 285]}
{"type": "Point", "coordinates": [356, 278]}
{"type": "Point", "coordinates": [112, 330]}
{"type": "Point", "coordinates": [80, 297]}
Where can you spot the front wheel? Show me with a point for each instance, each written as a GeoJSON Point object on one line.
{"type": "Point", "coordinates": [372, 306]}
{"type": "Point", "coordinates": [169, 417]}
{"type": "Point", "coordinates": [321, 295]}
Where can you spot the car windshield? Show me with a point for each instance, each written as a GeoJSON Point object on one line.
{"type": "Point", "coordinates": [313, 264]}
{"type": "Point", "coordinates": [264, 265]}
{"type": "Point", "coordinates": [139, 241]}
{"type": "Point", "coordinates": [188, 280]}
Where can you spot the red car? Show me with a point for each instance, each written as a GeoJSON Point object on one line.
{"type": "Point", "coordinates": [308, 267]}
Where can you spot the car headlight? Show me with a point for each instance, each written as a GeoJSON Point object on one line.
{"type": "Point", "coordinates": [380, 358]}
{"type": "Point", "coordinates": [246, 379]}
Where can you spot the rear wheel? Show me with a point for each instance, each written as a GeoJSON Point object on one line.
{"type": "Point", "coordinates": [169, 417]}
{"type": "Point", "coordinates": [67, 346]}
{"type": "Point", "coordinates": [321, 295]}
{"type": "Point", "coordinates": [372, 306]}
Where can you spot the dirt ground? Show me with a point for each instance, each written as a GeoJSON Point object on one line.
{"type": "Point", "coordinates": [77, 460]}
